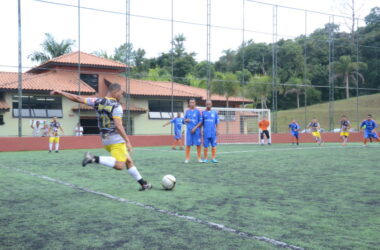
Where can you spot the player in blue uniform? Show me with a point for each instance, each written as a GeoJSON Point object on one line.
{"type": "Point", "coordinates": [210, 131]}
{"type": "Point", "coordinates": [110, 113]}
{"type": "Point", "coordinates": [193, 121]}
{"type": "Point", "coordinates": [369, 126]}
{"type": "Point", "coordinates": [294, 128]}
{"type": "Point", "coordinates": [177, 122]}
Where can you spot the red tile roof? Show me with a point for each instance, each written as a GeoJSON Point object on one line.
{"type": "Point", "coordinates": [44, 82]}
{"type": "Point", "coordinates": [4, 105]}
{"type": "Point", "coordinates": [131, 108]}
{"type": "Point", "coordinates": [71, 59]}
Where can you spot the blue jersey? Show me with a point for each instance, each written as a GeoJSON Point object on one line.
{"type": "Point", "coordinates": [177, 122]}
{"type": "Point", "coordinates": [210, 120]}
{"type": "Point", "coordinates": [369, 125]}
{"type": "Point", "coordinates": [195, 117]}
{"type": "Point", "coordinates": [294, 127]}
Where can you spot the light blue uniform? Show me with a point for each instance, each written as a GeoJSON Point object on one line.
{"type": "Point", "coordinates": [195, 117]}
{"type": "Point", "coordinates": [369, 127]}
{"type": "Point", "coordinates": [177, 122]}
{"type": "Point", "coordinates": [210, 121]}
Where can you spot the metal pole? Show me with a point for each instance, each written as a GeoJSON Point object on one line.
{"type": "Point", "coordinates": [208, 48]}
{"type": "Point", "coordinates": [274, 70]}
{"type": "Point", "coordinates": [305, 71]}
{"type": "Point", "coordinates": [331, 72]}
{"type": "Point", "coordinates": [172, 65]}
{"type": "Point", "coordinates": [128, 120]}
{"type": "Point", "coordinates": [243, 45]}
{"type": "Point", "coordinates": [19, 71]}
{"type": "Point", "coordinates": [79, 81]}
{"type": "Point", "coordinates": [357, 76]}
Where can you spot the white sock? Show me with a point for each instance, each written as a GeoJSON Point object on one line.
{"type": "Point", "coordinates": [134, 173]}
{"type": "Point", "coordinates": [108, 161]}
{"type": "Point", "coordinates": [56, 146]}
{"type": "Point", "coordinates": [50, 146]}
{"type": "Point", "coordinates": [262, 141]}
{"type": "Point", "coordinates": [269, 140]}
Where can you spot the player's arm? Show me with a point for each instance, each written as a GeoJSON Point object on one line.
{"type": "Point", "coordinates": [166, 123]}
{"type": "Point", "coordinates": [120, 129]}
{"type": "Point", "coordinates": [60, 127]}
{"type": "Point", "coordinates": [71, 97]}
{"type": "Point", "coordinates": [32, 124]}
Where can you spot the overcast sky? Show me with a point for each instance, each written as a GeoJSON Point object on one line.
{"type": "Point", "coordinates": [105, 31]}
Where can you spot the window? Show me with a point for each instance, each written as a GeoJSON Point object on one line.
{"type": "Point", "coordinates": [162, 109]}
{"type": "Point", "coordinates": [91, 79]}
{"type": "Point", "coordinates": [1, 120]}
{"type": "Point", "coordinates": [38, 106]}
{"type": "Point", "coordinates": [227, 115]}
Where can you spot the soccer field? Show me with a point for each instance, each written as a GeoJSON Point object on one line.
{"type": "Point", "coordinates": [308, 197]}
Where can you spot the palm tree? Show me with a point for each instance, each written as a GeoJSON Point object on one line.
{"type": "Point", "coordinates": [296, 88]}
{"type": "Point", "coordinates": [346, 69]}
{"type": "Point", "coordinates": [259, 88]}
{"type": "Point", "coordinates": [51, 48]}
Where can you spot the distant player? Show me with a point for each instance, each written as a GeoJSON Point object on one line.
{"type": "Point", "coordinates": [345, 126]}
{"type": "Point", "coordinates": [264, 125]}
{"type": "Point", "coordinates": [369, 126]}
{"type": "Point", "coordinates": [177, 122]}
{"type": "Point", "coordinates": [54, 135]}
{"type": "Point", "coordinates": [193, 120]}
{"type": "Point", "coordinates": [294, 129]}
{"type": "Point", "coordinates": [115, 140]}
{"type": "Point", "coordinates": [315, 130]}
{"type": "Point", "coordinates": [210, 131]}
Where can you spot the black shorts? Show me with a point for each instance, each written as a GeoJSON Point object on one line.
{"type": "Point", "coordinates": [266, 132]}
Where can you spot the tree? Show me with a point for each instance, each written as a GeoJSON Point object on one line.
{"type": "Point", "coordinates": [373, 17]}
{"type": "Point", "coordinates": [158, 74]}
{"type": "Point", "coordinates": [346, 69]}
{"type": "Point", "coordinates": [259, 89]}
{"type": "Point", "coordinates": [296, 88]}
{"type": "Point", "coordinates": [51, 49]}
{"type": "Point", "coordinates": [225, 84]}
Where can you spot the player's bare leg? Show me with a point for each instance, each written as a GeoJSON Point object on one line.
{"type": "Point", "coordinates": [205, 154]}
{"type": "Point", "coordinates": [199, 152]}
{"type": "Point", "coordinates": [213, 155]}
{"type": "Point", "coordinates": [187, 154]}
{"type": "Point", "coordinates": [180, 143]}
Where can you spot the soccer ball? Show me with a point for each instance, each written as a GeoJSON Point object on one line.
{"type": "Point", "coordinates": [168, 182]}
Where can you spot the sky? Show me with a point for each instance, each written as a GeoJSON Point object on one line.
{"type": "Point", "coordinates": [105, 31]}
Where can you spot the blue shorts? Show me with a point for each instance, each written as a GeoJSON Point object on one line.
{"type": "Point", "coordinates": [368, 135]}
{"type": "Point", "coordinates": [193, 139]}
{"type": "Point", "coordinates": [178, 135]}
{"type": "Point", "coordinates": [209, 141]}
{"type": "Point", "coordinates": [295, 134]}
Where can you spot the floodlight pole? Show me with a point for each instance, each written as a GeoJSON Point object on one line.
{"type": "Point", "coordinates": [19, 70]}
{"type": "Point", "coordinates": [79, 69]}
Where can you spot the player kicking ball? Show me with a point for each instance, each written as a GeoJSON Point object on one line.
{"type": "Point", "coordinates": [193, 120]}
{"type": "Point", "coordinates": [178, 122]}
{"type": "Point", "coordinates": [115, 140]}
{"type": "Point", "coordinates": [315, 130]}
{"type": "Point", "coordinates": [369, 126]}
{"type": "Point", "coordinates": [345, 126]}
{"type": "Point", "coordinates": [210, 131]}
{"type": "Point", "coordinates": [294, 129]}
{"type": "Point", "coordinates": [54, 135]}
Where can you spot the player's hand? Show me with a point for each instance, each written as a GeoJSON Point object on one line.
{"type": "Point", "coordinates": [129, 147]}
{"type": "Point", "coordinates": [193, 130]}
{"type": "Point", "coordinates": [187, 120]}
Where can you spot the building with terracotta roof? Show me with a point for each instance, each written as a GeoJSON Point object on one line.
{"type": "Point", "coordinates": [149, 106]}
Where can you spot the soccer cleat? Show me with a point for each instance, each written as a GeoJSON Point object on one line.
{"type": "Point", "coordinates": [174, 149]}
{"type": "Point", "coordinates": [49, 151]}
{"type": "Point", "coordinates": [186, 161]}
{"type": "Point", "coordinates": [146, 186]}
{"type": "Point", "coordinates": [200, 161]}
{"type": "Point", "coordinates": [181, 148]}
{"type": "Point", "coordinates": [57, 151]}
{"type": "Point", "coordinates": [269, 143]}
{"type": "Point", "coordinates": [204, 160]}
{"type": "Point", "coordinates": [88, 158]}
{"type": "Point", "coordinates": [214, 161]}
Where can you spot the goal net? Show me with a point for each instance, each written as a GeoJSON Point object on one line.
{"type": "Point", "coordinates": [240, 125]}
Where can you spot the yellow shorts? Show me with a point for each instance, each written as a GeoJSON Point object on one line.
{"type": "Point", "coordinates": [54, 140]}
{"type": "Point", "coordinates": [316, 134]}
{"type": "Point", "coordinates": [118, 151]}
{"type": "Point", "coordinates": [344, 134]}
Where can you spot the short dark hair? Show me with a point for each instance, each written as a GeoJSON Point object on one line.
{"type": "Point", "coordinates": [369, 115]}
{"type": "Point", "coordinates": [114, 87]}
{"type": "Point", "coordinates": [192, 99]}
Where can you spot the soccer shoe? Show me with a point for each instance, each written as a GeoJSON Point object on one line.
{"type": "Point", "coordinates": [214, 161]}
{"type": "Point", "coordinates": [200, 161]}
{"type": "Point", "coordinates": [49, 151]}
{"type": "Point", "coordinates": [269, 143]}
{"type": "Point", "coordinates": [146, 186]}
{"type": "Point", "coordinates": [174, 149]}
{"type": "Point", "coordinates": [57, 151]}
{"type": "Point", "coordinates": [204, 160]}
{"type": "Point", "coordinates": [88, 158]}
{"type": "Point", "coordinates": [186, 161]}
{"type": "Point", "coordinates": [181, 148]}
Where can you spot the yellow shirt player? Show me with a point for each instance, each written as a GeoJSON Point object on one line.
{"type": "Point", "coordinates": [345, 126]}
{"type": "Point", "coordinates": [315, 130]}
{"type": "Point", "coordinates": [54, 134]}
{"type": "Point", "coordinates": [110, 113]}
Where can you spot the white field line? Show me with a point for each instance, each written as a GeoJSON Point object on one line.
{"type": "Point", "coordinates": [261, 150]}
{"type": "Point", "coordinates": [209, 224]}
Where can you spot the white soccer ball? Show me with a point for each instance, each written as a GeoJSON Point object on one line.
{"type": "Point", "coordinates": [168, 182]}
